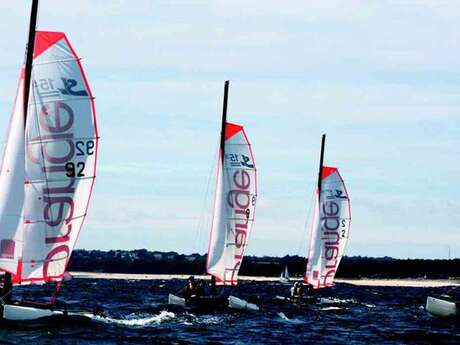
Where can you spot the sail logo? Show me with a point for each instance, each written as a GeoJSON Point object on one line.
{"type": "Point", "coordinates": [236, 162]}
{"type": "Point", "coordinates": [46, 88]}
{"type": "Point", "coordinates": [330, 224]}
{"type": "Point", "coordinates": [246, 162]}
{"type": "Point", "coordinates": [51, 151]}
{"type": "Point", "coordinates": [69, 85]}
{"type": "Point", "coordinates": [240, 200]}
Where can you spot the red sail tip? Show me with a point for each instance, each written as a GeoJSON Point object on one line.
{"type": "Point", "coordinates": [231, 129]}
{"type": "Point", "coordinates": [45, 39]}
{"type": "Point", "coordinates": [327, 171]}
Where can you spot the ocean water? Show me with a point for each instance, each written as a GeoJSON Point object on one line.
{"type": "Point", "coordinates": [136, 312]}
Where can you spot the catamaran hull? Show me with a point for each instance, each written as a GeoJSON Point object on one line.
{"type": "Point", "coordinates": [205, 302]}
{"type": "Point", "coordinates": [241, 304]}
{"type": "Point", "coordinates": [212, 303]}
{"type": "Point", "coordinates": [441, 307]}
{"type": "Point", "coordinates": [176, 300]}
{"type": "Point", "coordinates": [12, 312]}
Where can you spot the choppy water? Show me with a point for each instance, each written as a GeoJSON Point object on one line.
{"type": "Point", "coordinates": [137, 313]}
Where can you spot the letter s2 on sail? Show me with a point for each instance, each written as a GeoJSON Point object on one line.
{"type": "Point", "coordinates": [330, 229]}
{"type": "Point", "coordinates": [60, 159]}
{"type": "Point", "coordinates": [234, 206]}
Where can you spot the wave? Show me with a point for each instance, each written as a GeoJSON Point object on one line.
{"type": "Point", "coordinates": [204, 319]}
{"type": "Point", "coordinates": [369, 305]}
{"type": "Point", "coordinates": [134, 320]}
{"type": "Point", "coordinates": [330, 308]}
{"type": "Point", "coordinates": [333, 300]}
{"type": "Point", "coordinates": [284, 318]}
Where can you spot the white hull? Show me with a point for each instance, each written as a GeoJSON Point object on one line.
{"type": "Point", "coordinates": [14, 312]}
{"type": "Point", "coordinates": [237, 303]}
{"type": "Point", "coordinates": [233, 302]}
{"type": "Point", "coordinates": [441, 307]}
{"type": "Point", "coordinates": [175, 300]}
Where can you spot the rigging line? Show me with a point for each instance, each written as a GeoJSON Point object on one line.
{"type": "Point", "coordinates": [308, 218]}
{"type": "Point", "coordinates": [201, 219]}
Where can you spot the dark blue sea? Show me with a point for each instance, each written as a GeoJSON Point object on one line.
{"type": "Point", "coordinates": [136, 312]}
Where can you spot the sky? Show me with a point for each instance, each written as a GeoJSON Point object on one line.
{"type": "Point", "coordinates": [380, 78]}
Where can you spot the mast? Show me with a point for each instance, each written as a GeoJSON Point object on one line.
{"type": "Point", "coordinates": [30, 55]}
{"type": "Point", "coordinates": [321, 159]}
{"type": "Point", "coordinates": [224, 120]}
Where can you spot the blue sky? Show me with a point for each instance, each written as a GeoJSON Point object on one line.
{"type": "Point", "coordinates": [381, 78]}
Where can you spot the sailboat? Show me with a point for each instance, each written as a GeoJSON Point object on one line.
{"type": "Point", "coordinates": [330, 226]}
{"type": "Point", "coordinates": [284, 277]}
{"type": "Point", "coordinates": [48, 169]}
{"type": "Point", "coordinates": [233, 211]}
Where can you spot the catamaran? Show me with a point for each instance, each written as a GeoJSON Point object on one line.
{"type": "Point", "coordinates": [330, 226]}
{"type": "Point", "coordinates": [233, 212]}
{"type": "Point", "coordinates": [48, 168]}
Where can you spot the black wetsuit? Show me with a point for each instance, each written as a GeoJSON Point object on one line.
{"type": "Point", "coordinates": [6, 287]}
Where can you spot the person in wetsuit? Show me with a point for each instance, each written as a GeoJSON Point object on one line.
{"type": "Point", "coordinates": [300, 291]}
{"type": "Point", "coordinates": [6, 288]}
{"type": "Point", "coordinates": [212, 287]}
{"type": "Point", "coordinates": [193, 289]}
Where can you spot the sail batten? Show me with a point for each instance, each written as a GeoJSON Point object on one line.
{"type": "Point", "coordinates": [329, 229]}
{"type": "Point", "coordinates": [234, 206]}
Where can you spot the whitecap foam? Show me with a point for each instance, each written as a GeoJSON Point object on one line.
{"type": "Point", "coordinates": [333, 300]}
{"type": "Point", "coordinates": [132, 321]}
{"type": "Point", "coordinates": [284, 318]}
{"type": "Point", "coordinates": [369, 305]}
{"type": "Point", "coordinates": [330, 308]}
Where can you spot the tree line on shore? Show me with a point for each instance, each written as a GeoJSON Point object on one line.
{"type": "Point", "coordinates": [148, 262]}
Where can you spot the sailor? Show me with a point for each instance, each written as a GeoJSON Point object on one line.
{"type": "Point", "coordinates": [199, 289]}
{"type": "Point", "coordinates": [189, 288]}
{"type": "Point", "coordinates": [193, 289]}
{"type": "Point", "coordinates": [308, 289]}
{"type": "Point", "coordinates": [212, 286]}
{"type": "Point", "coordinates": [300, 290]}
{"type": "Point", "coordinates": [295, 289]}
{"type": "Point", "coordinates": [6, 288]}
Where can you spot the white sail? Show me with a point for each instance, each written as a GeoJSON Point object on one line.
{"type": "Point", "coordinates": [286, 273]}
{"type": "Point", "coordinates": [60, 165]}
{"type": "Point", "coordinates": [12, 188]}
{"type": "Point", "coordinates": [234, 205]}
{"type": "Point", "coordinates": [329, 231]}
{"type": "Point", "coordinates": [284, 277]}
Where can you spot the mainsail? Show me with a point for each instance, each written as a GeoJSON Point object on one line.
{"type": "Point", "coordinates": [285, 274]}
{"type": "Point", "coordinates": [58, 169]}
{"type": "Point", "coordinates": [329, 229]}
{"type": "Point", "coordinates": [12, 175]}
{"type": "Point", "coordinates": [234, 205]}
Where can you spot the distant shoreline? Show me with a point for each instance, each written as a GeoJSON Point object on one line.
{"type": "Point", "coordinates": [360, 282]}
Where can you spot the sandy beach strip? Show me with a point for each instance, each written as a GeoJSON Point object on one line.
{"type": "Point", "coordinates": [360, 282]}
{"type": "Point", "coordinates": [401, 282]}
